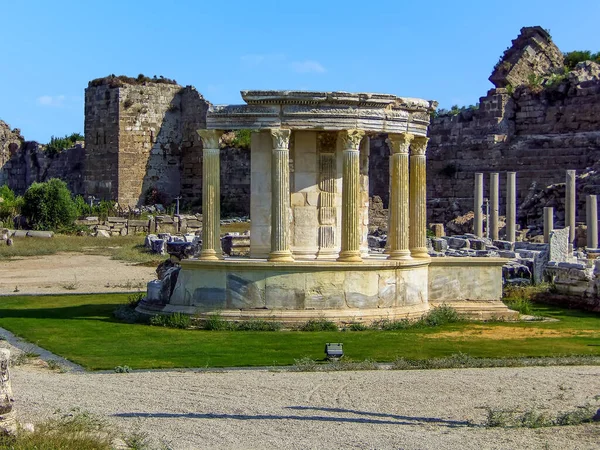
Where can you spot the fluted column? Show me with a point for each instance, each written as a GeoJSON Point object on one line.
{"type": "Point", "coordinates": [511, 206]}
{"type": "Point", "coordinates": [570, 206]}
{"type": "Point", "coordinates": [280, 196]}
{"type": "Point", "coordinates": [478, 202]}
{"type": "Point", "coordinates": [350, 251]}
{"type": "Point", "coordinates": [211, 195]}
{"type": "Point", "coordinates": [418, 198]}
{"type": "Point", "coordinates": [398, 223]}
{"type": "Point", "coordinates": [494, 197]}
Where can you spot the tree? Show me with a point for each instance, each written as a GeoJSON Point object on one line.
{"type": "Point", "coordinates": [49, 206]}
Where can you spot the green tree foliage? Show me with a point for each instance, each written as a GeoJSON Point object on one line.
{"type": "Point", "coordinates": [49, 206]}
{"type": "Point", "coordinates": [10, 204]}
{"type": "Point", "coordinates": [57, 144]}
{"type": "Point", "coordinates": [577, 56]}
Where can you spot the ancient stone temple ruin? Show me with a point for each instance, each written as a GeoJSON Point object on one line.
{"type": "Point", "coordinates": [309, 215]}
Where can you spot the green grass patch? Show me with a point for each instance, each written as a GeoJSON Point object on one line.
{"type": "Point", "coordinates": [82, 329]}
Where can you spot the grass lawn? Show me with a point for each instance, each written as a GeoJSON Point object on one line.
{"type": "Point", "coordinates": [81, 328]}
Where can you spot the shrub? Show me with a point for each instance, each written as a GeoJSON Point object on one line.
{"type": "Point", "coordinates": [49, 205]}
{"type": "Point", "coordinates": [357, 326]}
{"type": "Point", "coordinates": [175, 320]}
{"type": "Point", "coordinates": [215, 322]}
{"type": "Point", "coordinates": [58, 144]}
{"type": "Point", "coordinates": [319, 325]}
{"type": "Point", "coordinates": [441, 315]}
{"type": "Point", "coordinates": [10, 205]}
{"type": "Point", "coordinates": [242, 139]}
{"type": "Point", "coordinates": [258, 325]}
{"type": "Point", "coordinates": [122, 369]}
{"type": "Point", "coordinates": [573, 58]}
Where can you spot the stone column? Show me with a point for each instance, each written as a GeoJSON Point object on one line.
{"type": "Point", "coordinates": [511, 206]}
{"type": "Point", "coordinates": [211, 195]}
{"type": "Point", "coordinates": [494, 205]}
{"type": "Point", "coordinates": [350, 251]}
{"type": "Point", "coordinates": [592, 221]}
{"type": "Point", "coordinates": [280, 196]}
{"type": "Point", "coordinates": [548, 223]}
{"type": "Point", "coordinates": [398, 223]}
{"type": "Point", "coordinates": [478, 202]}
{"type": "Point", "coordinates": [418, 198]}
{"type": "Point", "coordinates": [8, 424]}
{"type": "Point", "coordinates": [570, 206]}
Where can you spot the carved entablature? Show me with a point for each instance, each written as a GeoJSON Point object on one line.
{"type": "Point", "coordinates": [329, 111]}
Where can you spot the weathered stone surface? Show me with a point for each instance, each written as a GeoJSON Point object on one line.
{"type": "Point", "coordinates": [103, 234]}
{"type": "Point", "coordinates": [559, 245]}
{"type": "Point", "coordinates": [7, 421]}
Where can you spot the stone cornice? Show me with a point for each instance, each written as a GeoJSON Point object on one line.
{"type": "Point", "coordinates": [328, 111]}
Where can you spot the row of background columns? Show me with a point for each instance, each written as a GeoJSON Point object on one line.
{"type": "Point", "coordinates": [511, 205]}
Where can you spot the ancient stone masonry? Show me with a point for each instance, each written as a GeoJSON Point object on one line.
{"type": "Point", "coordinates": [535, 130]}
{"type": "Point", "coordinates": [25, 162]}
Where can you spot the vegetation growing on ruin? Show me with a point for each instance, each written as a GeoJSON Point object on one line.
{"type": "Point", "coordinates": [58, 144]}
{"type": "Point", "coordinates": [83, 329]}
{"type": "Point", "coordinates": [575, 57]}
{"type": "Point", "coordinates": [453, 111]}
{"type": "Point", "coordinates": [115, 81]}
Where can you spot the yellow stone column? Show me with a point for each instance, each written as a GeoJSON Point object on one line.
{"type": "Point", "coordinates": [398, 222]}
{"type": "Point", "coordinates": [350, 251]}
{"type": "Point", "coordinates": [418, 198]}
{"type": "Point", "coordinates": [280, 196]}
{"type": "Point", "coordinates": [211, 195]}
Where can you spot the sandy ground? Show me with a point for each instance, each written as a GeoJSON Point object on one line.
{"type": "Point", "coordinates": [71, 273]}
{"type": "Point", "coordinates": [260, 409]}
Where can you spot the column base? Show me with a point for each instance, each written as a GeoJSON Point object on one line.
{"type": "Point", "coordinates": [399, 254]}
{"type": "Point", "coordinates": [208, 255]}
{"type": "Point", "coordinates": [280, 256]}
{"type": "Point", "coordinates": [350, 256]}
{"type": "Point", "coordinates": [419, 252]}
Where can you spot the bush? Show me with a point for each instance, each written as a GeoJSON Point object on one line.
{"type": "Point", "coordinates": [577, 56]}
{"type": "Point", "coordinates": [258, 325]}
{"type": "Point", "coordinates": [57, 145]}
{"type": "Point", "coordinates": [319, 325]}
{"type": "Point", "coordinates": [175, 320]}
{"type": "Point", "coordinates": [440, 315]}
{"type": "Point", "coordinates": [215, 322]}
{"type": "Point", "coordinates": [10, 205]}
{"type": "Point", "coordinates": [49, 206]}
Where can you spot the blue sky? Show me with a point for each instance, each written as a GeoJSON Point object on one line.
{"type": "Point", "coordinates": [439, 50]}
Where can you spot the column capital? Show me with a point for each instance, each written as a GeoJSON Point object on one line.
{"type": "Point", "coordinates": [419, 145]}
{"type": "Point", "coordinates": [210, 138]}
{"type": "Point", "coordinates": [351, 139]}
{"type": "Point", "coordinates": [399, 143]}
{"type": "Point", "coordinates": [281, 137]}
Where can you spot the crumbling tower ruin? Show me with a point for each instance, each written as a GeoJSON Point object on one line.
{"type": "Point", "coordinates": [140, 134]}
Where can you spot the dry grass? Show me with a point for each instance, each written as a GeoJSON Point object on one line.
{"type": "Point", "coordinates": [126, 248]}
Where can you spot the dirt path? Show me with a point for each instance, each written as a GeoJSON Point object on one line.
{"type": "Point", "coordinates": [65, 273]}
{"type": "Point", "coordinates": [247, 409]}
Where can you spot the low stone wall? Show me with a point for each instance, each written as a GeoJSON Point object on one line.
{"type": "Point", "coordinates": [575, 284]}
{"type": "Point", "coordinates": [473, 286]}
{"type": "Point", "coordinates": [121, 226]}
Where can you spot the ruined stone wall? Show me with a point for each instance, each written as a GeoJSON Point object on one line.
{"type": "Point", "coordinates": [150, 137]}
{"type": "Point", "coordinates": [193, 110]}
{"type": "Point", "coordinates": [539, 135]}
{"type": "Point", "coordinates": [25, 162]}
{"type": "Point", "coordinates": [101, 172]}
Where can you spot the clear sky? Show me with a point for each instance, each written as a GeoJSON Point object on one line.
{"type": "Point", "coordinates": [437, 49]}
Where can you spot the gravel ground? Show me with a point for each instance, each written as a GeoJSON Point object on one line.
{"type": "Point", "coordinates": [242, 409]}
{"type": "Point", "coordinates": [70, 273]}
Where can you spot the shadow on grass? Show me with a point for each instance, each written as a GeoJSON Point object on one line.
{"type": "Point", "coordinates": [99, 312]}
{"type": "Point", "coordinates": [363, 417]}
